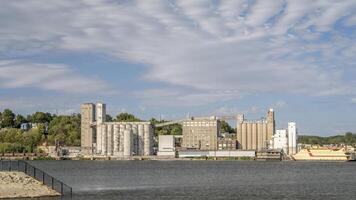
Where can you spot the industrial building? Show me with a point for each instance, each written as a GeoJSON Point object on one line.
{"type": "Point", "coordinates": [292, 138]}
{"type": "Point", "coordinates": [201, 133]}
{"type": "Point", "coordinates": [226, 144]}
{"type": "Point", "coordinates": [114, 139]}
{"type": "Point", "coordinates": [286, 139]}
{"type": "Point", "coordinates": [167, 145]}
{"type": "Point", "coordinates": [87, 130]}
{"type": "Point", "coordinates": [255, 135]}
{"type": "Point", "coordinates": [280, 140]}
{"type": "Point", "coordinates": [216, 154]}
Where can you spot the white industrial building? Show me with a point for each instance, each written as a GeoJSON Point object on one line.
{"type": "Point", "coordinates": [286, 139]}
{"type": "Point", "coordinates": [292, 138]}
{"type": "Point", "coordinates": [280, 140]}
{"type": "Point", "coordinates": [220, 153]}
{"type": "Point", "coordinates": [166, 145]}
{"type": "Point", "coordinates": [113, 139]}
{"type": "Point", "coordinates": [124, 139]}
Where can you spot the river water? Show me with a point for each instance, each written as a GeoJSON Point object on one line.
{"type": "Point", "coordinates": [96, 180]}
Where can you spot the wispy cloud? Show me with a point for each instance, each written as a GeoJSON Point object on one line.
{"type": "Point", "coordinates": [22, 74]}
{"type": "Point", "coordinates": [245, 46]}
{"type": "Point", "coordinates": [353, 100]}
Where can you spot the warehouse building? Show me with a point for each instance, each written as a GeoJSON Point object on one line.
{"type": "Point", "coordinates": [226, 144]}
{"type": "Point", "coordinates": [201, 133]}
{"type": "Point", "coordinates": [255, 135]}
{"type": "Point", "coordinates": [114, 139]}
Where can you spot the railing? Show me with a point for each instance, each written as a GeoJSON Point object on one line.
{"type": "Point", "coordinates": [38, 174]}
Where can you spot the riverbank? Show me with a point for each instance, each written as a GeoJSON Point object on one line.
{"type": "Point", "coordinates": [18, 184]}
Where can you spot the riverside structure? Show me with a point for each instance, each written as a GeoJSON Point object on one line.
{"type": "Point", "coordinates": [113, 139]}
{"type": "Point", "coordinates": [255, 135]}
{"type": "Point", "coordinates": [201, 133]}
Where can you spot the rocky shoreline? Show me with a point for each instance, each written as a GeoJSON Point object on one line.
{"type": "Point", "coordinates": [18, 184]}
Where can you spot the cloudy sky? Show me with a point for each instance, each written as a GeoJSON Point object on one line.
{"type": "Point", "coordinates": [176, 58]}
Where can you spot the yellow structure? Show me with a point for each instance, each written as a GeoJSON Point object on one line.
{"type": "Point", "coordinates": [255, 135]}
{"type": "Point", "coordinates": [322, 154]}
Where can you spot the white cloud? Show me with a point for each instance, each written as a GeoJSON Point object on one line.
{"type": "Point", "coordinates": [176, 97]}
{"type": "Point", "coordinates": [353, 100]}
{"type": "Point", "coordinates": [21, 74]}
{"type": "Point", "coordinates": [242, 46]}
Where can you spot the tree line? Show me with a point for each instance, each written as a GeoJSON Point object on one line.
{"type": "Point", "coordinates": [51, 128]}
{"type": "Point", "coordinates": [349, 139]}
{"type": "Point", "coordinates": [48, 128]}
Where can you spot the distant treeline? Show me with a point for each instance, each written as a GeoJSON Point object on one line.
{"type": "Point", "coordinates": [49, 128]}
{"type": "Point", "coordinates": [349, 139]}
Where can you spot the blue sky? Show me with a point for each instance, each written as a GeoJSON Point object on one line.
{"type": "Point", "coordinates": [171, 59]}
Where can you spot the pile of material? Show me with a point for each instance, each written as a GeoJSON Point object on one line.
{"type": "Point", "coordinates": [18, 184]}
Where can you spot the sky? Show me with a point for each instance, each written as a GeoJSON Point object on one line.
{"type": "Point", "coordinates": [172, 59]}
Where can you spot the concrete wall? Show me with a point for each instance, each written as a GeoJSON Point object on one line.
{"type": "Point", "coordinates": [236, 153]}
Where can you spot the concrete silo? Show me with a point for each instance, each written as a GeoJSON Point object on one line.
{"type": "Point", "coordinates": [259, 136]}
{"type": "Point", "coordinates": [264, 135]}
{"type": "Point", "coordinates": [99, 138]}
{"type": "Point", "coordinates": [110, 139]}
{"type": "Point", "coordinates": [249, 134]}
{"type": "Point", "coordinates": [135, 138]}
{"type": "Point", "coordinates": [116, 139]}
{"type": "Point", "coordinates": [121, 136]}
{"type": "Point", "coordinates": [147, 139]}
{"type": "Point", "coordinates": [243, 136]}
{"type": "Point", "coordinates": [254, 136]}
{"type": "Point", "coordinates": [128, 142]}
{"type": "Point", "coordinates": [141, 134]}
{"type": "Point", "coordinates": [104, 139]}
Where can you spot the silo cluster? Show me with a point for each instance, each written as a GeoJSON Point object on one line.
{"type": "Point", "coordinates": [124, 139]}
{"type": "Point", "coordinates": [255, 135]}
{"type": "Point", "coordinates": [118, 139]}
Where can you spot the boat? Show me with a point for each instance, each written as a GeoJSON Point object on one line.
{"type": "Point", "coordinates": [324, 154]}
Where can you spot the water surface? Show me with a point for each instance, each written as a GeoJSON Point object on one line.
{"type": "Point", "coordinates": [205, 179]}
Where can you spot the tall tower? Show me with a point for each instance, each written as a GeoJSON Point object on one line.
{"type": "Point", "coordinates": [240, 119]}
{"type": "Point", "coordinates": [292, 138]}
{"type": "Point", "coordinates": [100, 118]}
{"type": "Point", "coordinates": [100, 112]}
{"type": "Point", "coordinates": [87, 131]}
{"type": "Point", "coordinates": [270, 124]}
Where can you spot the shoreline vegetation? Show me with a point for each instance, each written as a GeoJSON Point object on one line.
{"type": "Point", "coordinates": [20, 185]}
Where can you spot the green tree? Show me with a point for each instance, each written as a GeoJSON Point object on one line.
{"type": "Point", "coordinates": [11, 140]}
{"type": "Point", "coordinates": [349, 139]}
{"type": "Point", "coordinates": [109, 118]}
{"type": "Point", "coordinates": [8, 118]}
{"type": "Point", "coordinates": [19, 120]}
{"type": "Point", "coordinates": [126, 117]}
{"type": "Point", "coordinates": [65, 129]}
{"type": "Point", "coordinates": [31, 139]}
{"type": "Point", "coordinates": [225, 127]}
{"type": "Point", "coordinates": [40, 117]}
{"type": "Point", "coordinates": [173, 129]}
{"type": "Point", "coordinates": [176, 129]}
